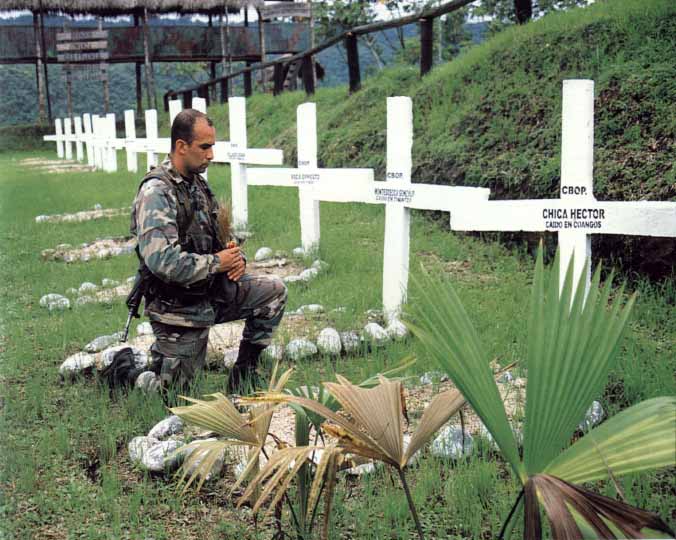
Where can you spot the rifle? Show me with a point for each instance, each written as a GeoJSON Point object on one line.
{"type": "Point", "coordinates": [138, 291]}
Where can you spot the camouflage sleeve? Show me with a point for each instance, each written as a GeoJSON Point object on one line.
{"type": "Point", "coordinates": [157, 233]}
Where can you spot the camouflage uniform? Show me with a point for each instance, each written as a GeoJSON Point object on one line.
{"type": "Point", "coordinates": [192, 294]}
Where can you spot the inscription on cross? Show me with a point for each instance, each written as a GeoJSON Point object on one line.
{"type": "Point", "coordinates": [576, 215]}
{"type": "Point", "coordinates": [399, 195]}
{"type": "Point", "coordinates": [307, 175]}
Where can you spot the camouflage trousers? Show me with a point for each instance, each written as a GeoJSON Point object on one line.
{"type": "Point", "coordinates": [180, 351]}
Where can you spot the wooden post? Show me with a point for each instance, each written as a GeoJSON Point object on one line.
{"type": "Point", "coordinates": [139, 89]}
{"type": "Point", "coordinates": [225, 55]}
{"type": "Point", "coordinates": [44, 49]}
{"type": "Point", "coordinates": [426, 45]}
{"type": "Point", "coordinates": [247, 82]}
{"type": "Point", "coordinates": [308, 77]}
{"type": "Point", "coordinates": [165, 100]}
{"type": "Point", "coordinates": [104, 70]}
{"type": "Point", "coordinates": [150, 80]}
{"type": "Point", "coordinates": [352, 49]}
{"type": "Point", "coordinates": [261, 39]}
{"type": "Point", "coordinates": [39, 73]}
{"type": "Point", "coordinates": [187, 99]}
{"type": "Point", "coordinates": [278, 79]}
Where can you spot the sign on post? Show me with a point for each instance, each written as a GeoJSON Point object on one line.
{"type": "Point", "coordinates": [576, 215]}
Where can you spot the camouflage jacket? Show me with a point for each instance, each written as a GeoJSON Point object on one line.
{"type": "Point", "coordinates": [154, 223]}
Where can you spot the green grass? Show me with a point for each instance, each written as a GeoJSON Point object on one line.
{"type": "Point", "coordinates": [64, 471]}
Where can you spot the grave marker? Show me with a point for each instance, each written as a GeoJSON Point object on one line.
{"type": "Point", "coordinates": [130, 135]}
{"type": "Point", "coordinates": [307, 175]}
{"type": "Point", "coordinates": [88, 138]}
{"type": "Point", "coordinates": [57, 137]}
{"type": "Point", "coordinates": [68, 137]}
{"type": "Point", "coordinates": [78, 138]}
{"type": "Point", "coordinates": [576, 215]}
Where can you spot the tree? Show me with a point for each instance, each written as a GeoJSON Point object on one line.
{"type": "Point", "coordinates": [505, 12]}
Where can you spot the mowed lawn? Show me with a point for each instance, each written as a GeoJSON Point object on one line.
{"type": "Point", "coordinates": [64, 468]}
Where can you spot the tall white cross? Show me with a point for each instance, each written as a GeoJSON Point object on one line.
{"type": "Point", "coordinates": [58, 137]}
{"type": "Point", "coordinates": [79, 137]}
{"type": "Point", "coordinates": [307, 175]}
{"type": "Point", "coordinates": [400, 195]}
{"type": "Point", "coordinates": [88, 138]}
{"type": "Point", "coordinates": [576, 215]}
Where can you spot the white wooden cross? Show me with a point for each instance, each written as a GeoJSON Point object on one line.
{"type": "Point", "coordinates": [576, 215]}
{"type": "Point", "coordinates": [57, 137]}
{"type": "Point", "coordinates": [236, 153]}
{"type": "Point", "coordinates": [400, 195]}
{"type": "Point", "coordinates": [88, 138]}
{"type": "Point", "coordinates": [68, 137]}
{"type": "Point", "coordinates": [307, 175]}
{"type": "Point", "coordinates": [79, 137]}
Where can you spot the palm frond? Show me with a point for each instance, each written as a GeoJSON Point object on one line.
{"type": "Point", "coordinates": [570, 351]}
{"type": "Point", "coordinates": [636, 439]}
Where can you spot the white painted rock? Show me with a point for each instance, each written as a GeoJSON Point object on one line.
{"type": "Point", "coordinates": [148, 382]}
{"type": "Point", "coordinates": [71, 291]}
{"type": "Point", "coordinates": [70, 257]}
{"type": "Point", "coordinates": [230, 357]}
{"type": "Point", "coordinates": [592, 417]}
{"type": "Point", "coordinates": [63, 247]}
{"type": "Point", "coordinates": [311, 309]}
{"type": "Point", "coordinates": [140, 356]}
{"type": "Point", "coordinates": [351, 341]}
{"type": "Point", "coordinates": [300, 348]}
{"type": "Point", "coordinates": [82, 300]}
{"type": "Point", "coordinates": [361, 470]}
{"type": "Point", "coordinates": [144, 329]}
{"type": "Point", "coordinates": [429, 377]}
{"type": "Point", "coordinates": [109, 283]}
{"type": "Point", "coordinates": [263, 254]}
{"type": "Point", "coordinates": [167, 427]}
{"type": "Point", "coordinates": [76, 364]}
{"type": "Point", "coordinates": [506, 377]}
{"type": "Point", "coordinates": [41, 219]}
{"type": "Point", "coordinates": [298, 252]}
{"type": "Point", "coordinates": [320, 266]}
{"type": "Point", "coordinates": [103, 253]}
{"type": "Point", "coordinates": [309, 274]}
{"type": "Point", "coordinates": [155, 458]}
{"type": "Point", "coordinates": [216, 468]}
{"type": "Point", "coordinates": [116, 250]}
{"type": "Point", "coordinates": [375, 333]}
{"type": "Point", "coordinates": [48, 254]}
{"type": "Point", "coordinates": [274, 352]}
{"type": "Point", "coordinates": [101, 343]}
{"type": "Point", "coordinates": [374, 315]}
{"type": "Point", "coordinates": [50, 298]}
{"type": "Point", "coordinates": [292, 279]}
{"type": "Point", "coordinates": [396, 330]}
{"type": "Point", "coordinates": [60, 304]}
{"type": "Point", "coordinates": [448, 443]}
{"type": "Point", "coordinates": [85, 257]}
{"type": "Point", "coordinates": [87, 287]}
{"type": "Point", "coordinates": [328, 341]}
{"type": "Point", "coordinates": [138, 446]}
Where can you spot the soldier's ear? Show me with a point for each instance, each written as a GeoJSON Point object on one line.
{"type": "Point", "coordinates": [181, 146]}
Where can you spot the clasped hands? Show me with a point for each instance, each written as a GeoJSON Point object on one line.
{"type": "Point", "coordinates": [232, 262]}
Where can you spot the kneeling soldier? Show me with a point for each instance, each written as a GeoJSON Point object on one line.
{"type": "Point", "coordinates": [195, 280]}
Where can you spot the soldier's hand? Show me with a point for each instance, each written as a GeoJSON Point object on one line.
{"type": "Point", "coordinates": [232, 262]}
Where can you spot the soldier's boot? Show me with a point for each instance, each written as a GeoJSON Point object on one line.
{"type": "Point", "coordinates": [243, 376]}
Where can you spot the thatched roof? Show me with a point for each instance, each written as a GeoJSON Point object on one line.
{"type": "Point", "coordinates": [126, 7]}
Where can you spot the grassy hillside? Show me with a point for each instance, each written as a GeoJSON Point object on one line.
{"type": "Point", "coordinates": [492, 117]}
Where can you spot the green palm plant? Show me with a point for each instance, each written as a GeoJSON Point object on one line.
{"type": "Point", "coordinates": [572, 342]}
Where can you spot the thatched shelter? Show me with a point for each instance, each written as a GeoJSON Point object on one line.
{"type": "Point", "coordinates": [139, 9]}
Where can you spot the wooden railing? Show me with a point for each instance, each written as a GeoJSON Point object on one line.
{"type": "Point", "coordinates": [282, 65]}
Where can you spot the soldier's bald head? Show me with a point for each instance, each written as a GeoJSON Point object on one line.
{"type": "Point", "coordinates": [183, 127]}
